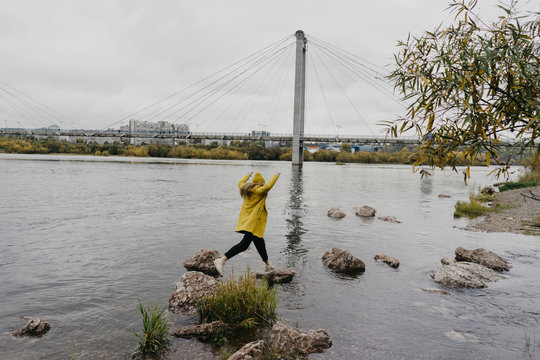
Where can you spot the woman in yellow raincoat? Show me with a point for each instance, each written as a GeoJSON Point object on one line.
{"type": "Point", "coordinates": [252, 218]}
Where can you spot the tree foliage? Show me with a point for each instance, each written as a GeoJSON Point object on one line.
{"type": "Point", "coordinates": [473, 88]}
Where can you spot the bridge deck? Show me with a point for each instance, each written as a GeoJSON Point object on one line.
{"type": "Point", "coordinates": [355, 139]}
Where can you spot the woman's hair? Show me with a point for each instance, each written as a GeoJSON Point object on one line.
{"type": "Point", "coordinates": [247, 189]}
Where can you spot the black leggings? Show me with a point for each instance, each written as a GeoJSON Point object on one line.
{"type": "Point", "coordinates": [244, 244]}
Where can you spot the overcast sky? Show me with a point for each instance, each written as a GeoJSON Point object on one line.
{"type": "Point", "coordinates": [99, 61]}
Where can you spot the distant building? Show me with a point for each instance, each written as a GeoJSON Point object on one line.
{"type": "Point", "coordinates": [369, 148]}
{"type": "Point", "coordinates": [160, 127]}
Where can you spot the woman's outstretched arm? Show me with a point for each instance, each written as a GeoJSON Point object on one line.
{"type": "Point", "coordinates": [266, 187]}
{"type": "Point", "coordinates": [244, 179]}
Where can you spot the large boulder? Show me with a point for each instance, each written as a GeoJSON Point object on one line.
{"type": "Point", "coordinates": [201, 331]}
{"type": "Point", "coordinates": [391, 219]}
{"type": "Point", "coordinates": [203, 260]}
{"type": "Point", "coordinates": [35, 327]}
{"type": "Point", "coordinates": [482, 257]}
{"type": "Point", "coordinates": [290, 340]}
{"type": "Point", "coordinates": [393, 262]}
{"type": "Point", "coordinates": [193, 285]}
{"type": "Point", "coordinates": [336, 213]}
{"type": "Point", "coordinates": [249, 351]}
{"type": "Point", "coordinates": [278, 276]}
{"type": "Point", "coordinates": [464, 275]}
{"type": "Point", "coordinates": [365, 211]}
{"type": "Point", "coordinates": [343, 261]}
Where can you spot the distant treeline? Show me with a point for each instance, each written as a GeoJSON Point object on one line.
{"type": "Point", "coordinates": [236, 151]}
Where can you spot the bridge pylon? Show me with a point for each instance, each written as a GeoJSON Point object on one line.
{"type": "Point", "coordinates": [299, 99]}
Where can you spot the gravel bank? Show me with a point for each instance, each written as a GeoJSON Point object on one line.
{"type": "Point", "coordinates": [516, 219]}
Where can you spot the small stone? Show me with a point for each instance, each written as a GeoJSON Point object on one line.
{"type": "Point", "coordinates": [391, 219]}
{"type": "Point", "coordinates": [393, 262]}
{"type": "Point", "coordinates": [487, 190]}
{"type": "Point", "coordinates": [336, 213]}
{"type": "Point", "coordinates": [278, 276]}
{"type": "Point", "coordinates": [35, 327]}
{"type": "Point", "coordinates": [448, 260]}
{"type": "Point", "coordinates": [437, 291]}
{"type": "Point", "coordinates": [365, 211]}
{"type": "Point", "coordinates": [201, 331]}
{"type": "Point", "coordinates": [343, 261]}
{"type": "Point", "coordinates": [249, 351]}
{"type": "Point", "coordinates": [444, 196]}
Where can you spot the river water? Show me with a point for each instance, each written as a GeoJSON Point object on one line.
{"type": "Point", "coordinates": [82, 238]}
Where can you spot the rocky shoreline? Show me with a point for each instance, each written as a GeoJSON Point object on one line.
{"type": "Point", "coordinates": [517, 218]}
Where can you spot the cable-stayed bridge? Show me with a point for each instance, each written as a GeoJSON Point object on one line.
{"type": "Point", "coordinates": [251, 99]}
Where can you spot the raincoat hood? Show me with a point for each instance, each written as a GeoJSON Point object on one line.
{"type": "Point", "coordinates": [258, 179]}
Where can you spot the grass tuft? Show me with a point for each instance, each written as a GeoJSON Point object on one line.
{"type": "Point", "coordinates": [245, 303]}
{"type": "Point", "coordinates": [470, 209]}
{"type": "Point", "coordinates": [155, 338]}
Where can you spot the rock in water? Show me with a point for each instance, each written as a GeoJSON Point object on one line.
{"type": "Point", "coordinates": [437, 291]}
{"type": "Point", "coordinates": [393, 262]}
{"type": "Point", "coordinates": [343, 261]}
{"type": "Point", "coordinates": [444, 196]}
{"type": "Point", "coordinates": [464, 275]}
{"type": "Point", "coordinates": [391, 219]}
{"type": "Point", "coordinates": [201, 331]}
{"type": "Point", "coordinates": [482, 257]}
{"type": "Point", "coordinates": [249, 351]}
{"type": "Point", "coordinates": [203, 260]}
{"type": "Point", "coordinates": [336, 213]}
{"type": "Point", "coordinates": [365, 211]}
{"type": "Point", "coordinates": [35, 327]}
{"type": "Point", "coordinates": [278, 276]}
{"type": "Point", "coordinates": [193, 285]}
{"type": "Point", "coordinates": [290, 340]}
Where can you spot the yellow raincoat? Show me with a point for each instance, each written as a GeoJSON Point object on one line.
{"type": "Point", "coordinates": [253, 213]}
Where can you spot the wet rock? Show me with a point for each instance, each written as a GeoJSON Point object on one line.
{"type": "Point", "coordinates": [365, 211]}
{"type": "Point", "coordinates": [393, 262]}
{"type": "Point", "coordinates": [278, 276]}
{"type": "Point", "coordinates": [201, 331]}
{"type": "Point", "coordinates": [203, 260]}
{"type": "Point", "coordinates": [290, 340]}
{"type": "Point", "coordinates": [482, 257]}
{"type": "Point", "coordinates": [35, 327]}
{"type": "Point", "coordinates": [343, 261]}
{"type": "Point", "coordinates": [249, 351]}
{"type": "Point", "coordinates": [487, 190]}
{"type": "Point", "coordinates": [464, 275]}
{"type": "Point", "coordinates": [193, 285]}
{"type": "Point", "coordinates": [444, 196]}
{"type": "Point", "coordinates": [448, 260]}
{"type": "Point", "coordinates": [336, 213]}
{"type": "Point", "coordinates": [437, 291]}
{"type": "Point", "coordinates": [391, 219]}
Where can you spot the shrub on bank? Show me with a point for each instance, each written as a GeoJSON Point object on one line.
{"type": "Point", "coordinates": [247, 302]}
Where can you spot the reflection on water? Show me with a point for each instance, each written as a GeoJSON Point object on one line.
{"type": "Point", "coordinates": [294, 213]}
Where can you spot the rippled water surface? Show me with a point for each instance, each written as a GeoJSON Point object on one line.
{"type": "Point", "coordinates": [82, 238]}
